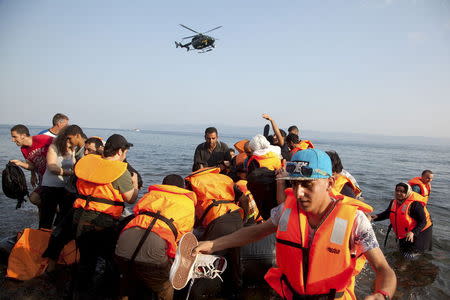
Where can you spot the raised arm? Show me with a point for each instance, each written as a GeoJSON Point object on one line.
{"type": "Point", "coordinates": [275, 128]}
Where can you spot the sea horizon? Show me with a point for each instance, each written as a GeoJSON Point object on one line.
{"type": "Point", "coordinates": [250, 131]}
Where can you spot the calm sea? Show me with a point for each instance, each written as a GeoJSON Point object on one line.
{"type": "Point", "coordinates": [376, 166]}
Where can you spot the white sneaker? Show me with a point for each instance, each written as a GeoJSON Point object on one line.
{"type": "Point", "coordinates": [209, 266]}
{"type": "Point", "coordinates": [181, 269]}
{"type": "Point", "coordinates": [186, 267]}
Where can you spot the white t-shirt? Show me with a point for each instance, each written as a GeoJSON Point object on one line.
{"type": "Point", "coordinates": [47, 132]}
{"type": "Point", "coordinates": [362, 238]}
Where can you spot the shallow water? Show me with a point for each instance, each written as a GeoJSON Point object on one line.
{"type": "Point", "coordinates": [376, 166]}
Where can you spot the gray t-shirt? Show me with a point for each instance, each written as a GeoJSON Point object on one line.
{"type": "Point", "coordinates": [53, 180]}
{"type": "Point", "coordinates": [362, 238]}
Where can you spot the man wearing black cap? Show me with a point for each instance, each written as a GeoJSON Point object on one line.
{"type": "Point", "coordinates": [104, 184]}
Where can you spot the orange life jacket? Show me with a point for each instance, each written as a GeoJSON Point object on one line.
{"type": "Point", "coordinates": [240, 158]}
{"type": "Point", "coordinates": [367, 209]}
{"type": "Point", "coordinates": [252, 207]}
{"type": "Point", "coordinates": [425, 189]}
{"type": "Point", "coordinates": [25, 260]}
{"type": "Point", "coordinates": [94, 185]}
{"type": "Point", "coordinates": [341, 180]}
{"type": "Point", "coordinates": [173, 208]}
{"type": "Point", "coordinates": [239, 146]}
{"type": "Point", "coordinates": [362, 206]}
{"type": "Point", "coordinates": [215, 195]}
{"type": "Point", "coordinates": [304, 144]}
{"type": "Point", "coordinates": [401, 221]}
{"type": "Point", "coordinates": [270, 160]}
{"type": "Point", "coordinates": [329, 247]}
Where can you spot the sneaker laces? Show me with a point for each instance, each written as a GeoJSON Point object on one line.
{"type": "Point", "coordinates": [205, 267]}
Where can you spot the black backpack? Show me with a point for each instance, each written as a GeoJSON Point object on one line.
{"type": "Point", "coordinates": [133, 170]}
{"type": "Point", "coordinates": [261, 183]}
{"type": "Point", "coordinates": [14, 184]}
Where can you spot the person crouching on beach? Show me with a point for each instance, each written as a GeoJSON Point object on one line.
{"type": "Point", "coordinates": [410, 220]}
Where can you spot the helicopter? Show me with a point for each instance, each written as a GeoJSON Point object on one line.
{"type": "Point", "coordinates": [200, 41]}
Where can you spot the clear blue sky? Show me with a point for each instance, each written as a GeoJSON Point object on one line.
{"type": "Point", "coordinates": [352, 66]}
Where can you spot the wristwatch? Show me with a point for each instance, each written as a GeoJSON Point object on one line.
{"type": "Point", "coordinates": [384, 293]}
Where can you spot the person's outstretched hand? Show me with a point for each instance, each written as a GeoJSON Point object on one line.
{"type": "Point", "coordinates": [205, 247]}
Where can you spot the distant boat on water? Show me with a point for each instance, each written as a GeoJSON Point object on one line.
{"type": "Point", "coordinates": [137, 129]}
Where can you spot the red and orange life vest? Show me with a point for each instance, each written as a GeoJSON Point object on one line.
{"type": "Point", "coordinates": [94, 185]}
{"type": "Point", "coordinates": [215, 194]}
{"type": "Point", "coordinates": [341, 180]}
{"type": "Point", "coordinates": [270, 160]}
{"type": "Point", "coordinates": [425, 189]}
{"type": "Point", "coordinates": [174, 209]}
{"type": "Point", "coordinates": [329, 247]}
{"type": "Point", "coordinates": [401, 221]}
{"type": "Point", "coordinates": [304, 144]}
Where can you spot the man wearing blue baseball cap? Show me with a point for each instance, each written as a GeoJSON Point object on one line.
{"type": "Point", "coordinates": [318, 237]}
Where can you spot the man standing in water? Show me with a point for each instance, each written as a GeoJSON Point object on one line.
{"type": "Point", "coordinates": [422, 185]}
{"type": "Point", "coordinates": [211, 153]}
{"type": "Point", "coordinates": [318, 238]}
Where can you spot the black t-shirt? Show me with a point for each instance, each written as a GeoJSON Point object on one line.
{"type": "Point", "coordinates": [203, 157]}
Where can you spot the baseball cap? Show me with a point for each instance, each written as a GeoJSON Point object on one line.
{"type": "Point", "coordinates": [117, 141]}
{"type": "Point", "coordinates": [308, 164]}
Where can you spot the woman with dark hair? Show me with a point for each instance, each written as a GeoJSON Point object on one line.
{"type": "Point", "coordinates": [410, 220]}
{"type": "Point", "coordinates": [60, 161]}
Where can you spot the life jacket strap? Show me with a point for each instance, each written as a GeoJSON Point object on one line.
{"type": "Point", "coordinates": [214, 203]}
{"type": "Point", "coordinates": [158, 216]}
{"type": "Point", "coordinates": [295, 296]}
{"type": "Point", "coordinates": [144, 237]}
{"type": "Point", "coordinates": [290, 243]}
{"type": "Point", "coordinates": [89, 198]}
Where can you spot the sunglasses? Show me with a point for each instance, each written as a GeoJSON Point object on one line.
{"type": "Point", "coordinates": [299, 168]}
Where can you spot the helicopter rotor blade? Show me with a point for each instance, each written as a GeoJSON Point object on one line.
{"type": "Point", "coordinates": [188, 37]}
{"type": "Point", "coordinates": [212, 29]}
{"type": "Point", "coordinates": [188, 28]}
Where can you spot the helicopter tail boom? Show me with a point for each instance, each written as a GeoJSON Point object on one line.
{"type": "Point", "coordinates": [182, 46]}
